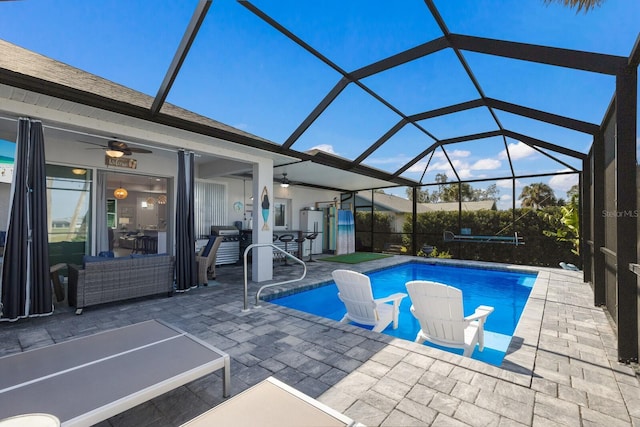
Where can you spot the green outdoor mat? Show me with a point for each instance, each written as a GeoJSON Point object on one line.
{"type": "Point", "coordinates": [355, 258]}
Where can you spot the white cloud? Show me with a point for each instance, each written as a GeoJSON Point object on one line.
{"type": "Point", "coordinates": [418, 167]}
{"type": "Point", "coordinates": [464, 173]}
{"type": "Point", "coordinates": [463, 168]}
{"type": "Point", "coordinates": [504, 183]}
{"type": "Point", "coordinates": [399, 161]}
{"type": "Point", "coordinates": [504, 202]}
{"type": "Point", "coordinates": [459, 153]}
{"type": "Point", "coordinates": [454, 154]}
{"type": "Point", "coordinates": [327, 148]}
{"type": "Point", "coordinates": [562, 183]}
{"type": "Point", "coordinates": [486, 164]}
{"type": "Point", "coordinates": [444, 165]}
{"type": "Point", "coordinates": [518, 151]}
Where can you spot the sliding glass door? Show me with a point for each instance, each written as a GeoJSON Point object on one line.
{"type": "Point", "coordinates": [68, 213]}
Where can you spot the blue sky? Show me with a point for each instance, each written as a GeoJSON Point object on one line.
{"type": "Point", "coordinates": [242, 72]}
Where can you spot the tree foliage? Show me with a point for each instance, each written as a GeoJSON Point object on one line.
{"type": "Point", "coordinates": [567, 224]}
{"type": "Point", "coordinates": [449, 191]}
{"type": "Point", "coordinates": [422, 194]}
{"type": "Point", "coordinates": [538, 195]}
{"type": "Point", "coordinates": [573, 191]}
{"type": "Point", "coordinates": [585, 5]}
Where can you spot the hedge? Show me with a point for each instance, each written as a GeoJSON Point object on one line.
{"type": "Point", "coordinates": [538, 249]}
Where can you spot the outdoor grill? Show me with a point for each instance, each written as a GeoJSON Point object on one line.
{"type": "Point", "coordinates": [229, 250]}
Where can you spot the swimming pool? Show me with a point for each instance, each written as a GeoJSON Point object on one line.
{"type": "Point", "coordinates": [507, 291]}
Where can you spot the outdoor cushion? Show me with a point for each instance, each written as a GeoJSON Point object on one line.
{"type": "Point", "coordinates": [207, 248]}
{"type": "Point", "coordinates": [90, 258]}
{"type": "Point", "coordinates": [146, 255]}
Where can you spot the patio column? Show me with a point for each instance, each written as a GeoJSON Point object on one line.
{"type": "Point", "coordinates": [626, 229]}
{"type": "Point", "coordinates": [262, 214]}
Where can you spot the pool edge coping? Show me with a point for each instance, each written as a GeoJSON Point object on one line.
{"type": "Point", "coordinates": [518, 363]}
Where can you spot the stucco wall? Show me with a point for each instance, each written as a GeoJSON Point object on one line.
{"type": "Point", "coordinates": [299, 197]}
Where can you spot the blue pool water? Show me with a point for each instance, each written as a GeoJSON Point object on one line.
{"type": "Point", "coordinates": [506, 291]}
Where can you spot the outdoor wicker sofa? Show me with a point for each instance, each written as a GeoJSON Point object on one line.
{"type": "Point", "coordinates": [103, 280]}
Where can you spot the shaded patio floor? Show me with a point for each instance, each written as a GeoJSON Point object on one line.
{"type": "Point", "coordinates": [561, 369]}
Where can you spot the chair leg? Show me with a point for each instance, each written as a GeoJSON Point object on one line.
{"type": "Point", "coordinates": [380, 327]}
{"type": "Point", "coordinates": [286, 258]}
{"type": "Point", "coordinates": [55, 279]}
{"type": "Point", "coordinates": [311, 252]}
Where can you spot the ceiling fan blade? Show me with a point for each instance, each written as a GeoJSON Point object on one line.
{"type": "Point", "coordinates": [139, 150]}
{"type": "Point", "coordinates": [93, 143]}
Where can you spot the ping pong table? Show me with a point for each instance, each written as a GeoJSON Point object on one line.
{"type": "Point", "coordinates": [89, 379]}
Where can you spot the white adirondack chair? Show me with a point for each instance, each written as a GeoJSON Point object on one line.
{"type": "Point", "coordinates": [439, 309]}
{"type": "Point", "coordinates": [356, 294]}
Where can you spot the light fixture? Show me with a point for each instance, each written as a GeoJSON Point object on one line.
{"type": "Point", "coordinates": [123, 223]}
{"type": "Point", "coordinates": [162, 199]}
{"type": "Point", "coordinates": [285, 182]}
{"type": "Point", "coordinates": [114, 153]}
{"type": "Point", "coordinates": [143, 204]}
{"type": "Point", "coordinates": [79, 171]}
{"type": "Point", "coordinates": [150, 202]}
{"type": "Point", "coordinates": [120, 193]}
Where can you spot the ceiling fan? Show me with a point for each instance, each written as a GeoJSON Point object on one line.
{"type": "Point", "coordinates": [285, 182]}
{"type": "Point", "coordinates": [115, 148]}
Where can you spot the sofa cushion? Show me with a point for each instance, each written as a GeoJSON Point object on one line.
{"type": "Point", "coordinates": [146, 255]}
{"type": "Point", "coordinates": [87, 259]}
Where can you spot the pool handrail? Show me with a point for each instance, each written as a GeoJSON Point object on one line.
{"type": "Point", "coordinates": [246, 289]}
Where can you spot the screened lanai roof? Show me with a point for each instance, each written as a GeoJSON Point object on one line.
{"type": "Point", "coordinates": [396, 91]}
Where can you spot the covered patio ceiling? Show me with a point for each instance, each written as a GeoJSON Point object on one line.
{"type": "Point", "coordinates": [363, 94]}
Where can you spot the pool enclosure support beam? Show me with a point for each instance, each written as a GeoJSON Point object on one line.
{"type": "Point", "coordinates": [585, 212]}
{"type": "Point", "coordinates": [597, 221]}
{"type": "Point", "coordinates": [568, 58]}
{"type": "Point", "coordinates": [626, 215]}
{"type": "Point", "coordinates": [183, 49]}
{"type": "Point", "coordinates": [430, 47]}
{"type": "Point", "coordinates": [414, 222]}
{"type": "Point", "coordinates": [513, 202]}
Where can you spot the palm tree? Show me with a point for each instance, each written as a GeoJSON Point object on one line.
{"type": "Point", "coordinates": [585, 5]}
{"type": "Point", "coordinates": [537, 195]}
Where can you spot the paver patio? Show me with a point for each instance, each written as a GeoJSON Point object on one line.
{"type": "Point", "coordinates": [561, 369]}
